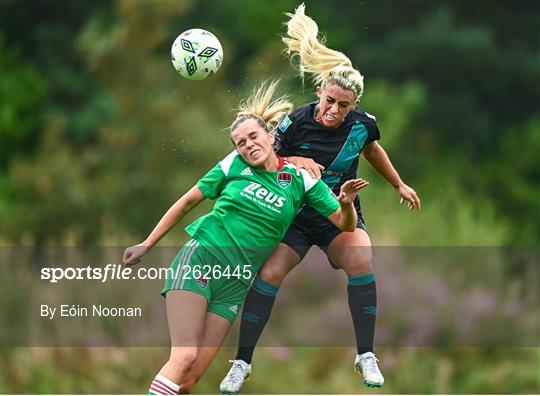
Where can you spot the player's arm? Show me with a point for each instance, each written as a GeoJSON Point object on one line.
{"type": "Point", "coordinates": [176, 212]}
{"type": "Point", "coordinates": [345, 217]}
{"type": "Point", "coordinates": [377, 157]}
{"type": "Point", "coordinates": [209, 186]}
{"type": "Point", "coordinates": [287, 137]}
{"type": "Point", "coordinates": [314, 169]}
{"type": "Point", "coordinates": [339, 210]}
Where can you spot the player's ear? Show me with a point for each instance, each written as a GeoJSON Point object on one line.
{"type": "Point", "coordinates": [272, 138]}
{"type": "Point", "coordinates": [319, 91]}
{"type": "Point", "coordinates": [356, 102]}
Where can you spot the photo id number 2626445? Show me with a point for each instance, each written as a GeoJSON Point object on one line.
{"type": "Point", "coordinates": [216, 272]}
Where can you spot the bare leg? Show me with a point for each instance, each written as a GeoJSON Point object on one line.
{"type": "Point", "coordinates": [282, 261]}
{"type": "Point", "coordinates": [352, 252]}
{"type": "Point", "coordinates": [186, 315]}
{"type": "Point", "coordinates": [215, 331]}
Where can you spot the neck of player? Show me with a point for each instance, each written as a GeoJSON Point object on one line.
{"type": "Point", "coordinates": [271, 164]}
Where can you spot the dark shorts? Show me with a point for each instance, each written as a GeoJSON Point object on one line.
{"type": "Point", "coordinates": [307, 231]}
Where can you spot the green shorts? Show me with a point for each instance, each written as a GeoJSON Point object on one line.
{"type": "Point", "coordinates": [196, 270]}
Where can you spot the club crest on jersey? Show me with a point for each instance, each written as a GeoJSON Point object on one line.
{"type": "Point", "coordinates": [284, 179]}
{"type": "Point", "coordinates": [353, 146]}
{"type": "Point", "coordinates": [202, 282]}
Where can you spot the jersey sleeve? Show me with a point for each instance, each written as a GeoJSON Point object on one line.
{"type": "Point", "coordinates": [213, 182]}
{"type": "Point", "coordinates": [373, 130]}
{"type": "Point", "coordinates": [320, 198]}
{"type": "Point", "coordinates": [284, 134]}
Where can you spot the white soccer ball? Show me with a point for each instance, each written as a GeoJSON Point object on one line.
{"type": "Point", "coordinates": [196, 54]}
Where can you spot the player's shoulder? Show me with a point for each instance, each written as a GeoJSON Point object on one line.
{"type": "Point", "coordinates": [305, 178]}
{"type": "Point", "coordinates": [360, 115]}
{"type": "Point", "coordinates": [295, 116]}
{"type": "Point", "coordinates": [302, 111]}
{"type": "Point", "coordinates": [227, 163]}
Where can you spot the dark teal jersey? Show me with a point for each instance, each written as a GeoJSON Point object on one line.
{"type": "Point", "coordinates": [337, 149]}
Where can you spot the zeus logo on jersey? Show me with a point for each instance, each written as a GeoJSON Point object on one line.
{"type": "Point", "coordinates": [262, 193]}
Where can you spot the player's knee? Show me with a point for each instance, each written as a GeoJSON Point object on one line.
{"type": "Point", "coordinates": [273, 274]}
{"type": "Point", "coordinates": [358, 264]}
{"type": "Point", "coordinates": [182, 359]}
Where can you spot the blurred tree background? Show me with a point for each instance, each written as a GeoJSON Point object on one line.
{"type": "Point", "coordinates": [99, 135]}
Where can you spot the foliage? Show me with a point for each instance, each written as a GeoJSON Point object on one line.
{"type": "Point", "coordinates": [99, 136]}
{"type": "Point", "coordinates": [116, 115]}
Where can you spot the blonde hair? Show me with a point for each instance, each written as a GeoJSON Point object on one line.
{"type": "Point", "coordinates": [326, 65]}
{"type": "Point", "coordinates": [262, 108]}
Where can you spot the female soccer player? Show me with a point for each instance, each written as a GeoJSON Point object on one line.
{"type": "Point", "coordinates": [258, 194]}
{"type": "Point", "coordinates": [332, 133]}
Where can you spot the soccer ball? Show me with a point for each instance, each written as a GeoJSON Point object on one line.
{"type": "Point", "coordinates": [196, 54]}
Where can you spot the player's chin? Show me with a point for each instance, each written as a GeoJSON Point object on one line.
{"type": "Point", "coordinates": [254, 162]}
{"type": "Point", "coordinates": [333, 123]}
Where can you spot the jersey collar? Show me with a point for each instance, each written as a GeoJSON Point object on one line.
{"type": "Point", "coordinates": [282, 163]}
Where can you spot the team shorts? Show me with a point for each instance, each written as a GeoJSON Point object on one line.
{"type": "Point", "coordinates": [196, 270]}
{"type": "Point", "coordinates": [317, 230]}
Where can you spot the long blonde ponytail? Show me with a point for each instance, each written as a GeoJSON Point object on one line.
{"type": "Point", "coordinates": [261, 107]}
{"type": "Point", "coordinates": [325, 64]}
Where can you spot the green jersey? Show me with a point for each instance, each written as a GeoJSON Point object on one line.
{"type": "Point", "coordinates": [254, 209]}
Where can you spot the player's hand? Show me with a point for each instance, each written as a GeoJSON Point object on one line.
{"type": "Point", "coordinates": [409, 195]}
{"type": "Point", "coordinates": [133, 254]}
{"type": "Point", "coordinates": [350, 188]}
{"type": "Point", "coordinates": [313, 168]}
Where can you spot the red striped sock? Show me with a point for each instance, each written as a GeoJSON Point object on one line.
{"type": "Point", "coordinates": [163, 386]}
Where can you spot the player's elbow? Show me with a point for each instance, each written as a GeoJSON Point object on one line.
{"type": "Point", "coordinates": [188, 205]}
{"type": "Point", "coordinates": [343, 221]}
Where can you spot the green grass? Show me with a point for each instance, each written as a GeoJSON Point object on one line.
{"type": "Point", "coordinates": [278, 370]}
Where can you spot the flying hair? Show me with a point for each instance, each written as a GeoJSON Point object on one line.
{"type": "Point", "coordinates": [261, 107]}
{"type": "Point", "coordinates": [325, 64]}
